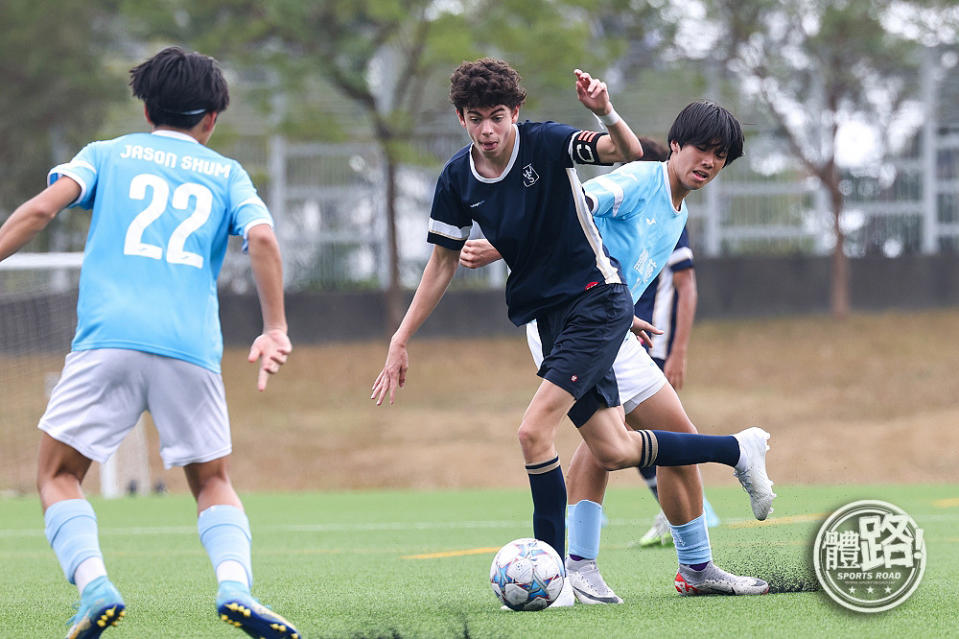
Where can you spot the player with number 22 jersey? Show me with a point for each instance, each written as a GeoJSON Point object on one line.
{"type": "Point", "coordinates": [167, 198]}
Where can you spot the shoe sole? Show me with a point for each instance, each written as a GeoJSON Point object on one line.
{"type": "Point", "coordinates": [251, 622]}
{"type": "Point", "coordinates": [105, 616]}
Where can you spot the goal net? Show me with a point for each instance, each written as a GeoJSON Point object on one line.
{"type": "Point", "coordinates": [38, 298]}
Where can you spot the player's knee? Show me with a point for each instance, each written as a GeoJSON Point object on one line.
{"type": "Point", "coordinates": [613, 459]}
{"type": "Point", "coordinates": [533, 440]}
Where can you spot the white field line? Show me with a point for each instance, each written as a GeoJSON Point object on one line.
{"type": "Point", "coordinates": [443, 525]}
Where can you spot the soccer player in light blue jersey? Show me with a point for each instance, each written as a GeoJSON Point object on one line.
{"type": "Point", "coordinates": [148, 332]}
{"type": "Point", "coordinates": [640, 212]}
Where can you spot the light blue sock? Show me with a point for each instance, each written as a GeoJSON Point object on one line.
{"type": "Point", "coordinates": [692, 542]}
{"type": "Point", "coordinates": [71, 527]}
{"type": "Point", "coordinates": [585, 521]}
{"type": "Point", "coordinates": [225, 534]}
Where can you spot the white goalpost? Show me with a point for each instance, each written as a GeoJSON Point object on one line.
{"type": "Point", "coordinates": [38, 295]}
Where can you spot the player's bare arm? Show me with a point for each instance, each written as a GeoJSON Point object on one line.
{"type": "Point", "coordinates": [675, 365]}
{"type": "Point", "coordinates": [621, 145]}
{"type": "Point", "coordinates": [436, 279]}
{"type": "Point", "coordinates": [273, 346]}
{"type": "Point", "coordinates": [478, 253]}
{"type": "Point", "coordinates": [32, 216]}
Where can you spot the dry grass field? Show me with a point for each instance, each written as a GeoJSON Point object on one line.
{"type": "Point", "coordinates": [872, 399]}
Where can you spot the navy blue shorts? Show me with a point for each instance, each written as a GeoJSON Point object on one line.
{"type": "Point", "coordinates": [580, 343]}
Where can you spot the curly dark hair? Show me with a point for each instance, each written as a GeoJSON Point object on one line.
{"type": "Point", "coordinates": [179, 88]}
{"type": "Point", "coordinates": [485, 83]}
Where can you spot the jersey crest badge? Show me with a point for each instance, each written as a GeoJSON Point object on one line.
{"type": "Point", "coordinates": [530, 176]}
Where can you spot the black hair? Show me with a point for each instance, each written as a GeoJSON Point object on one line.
{"type": "Point", "coordinates": [653, 151]}
{"type": "Point", "coordinates": [707, 125]}
{"type": "Point", "coordinates": [179, 88]}
{"type": "Point", "coordinates": [484, 83]}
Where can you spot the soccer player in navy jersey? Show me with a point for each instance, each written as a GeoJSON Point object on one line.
{"type": "Point", "coordinates": [148, 332]}
{"type": "Point", "coordinates": [641, 212]}
{"type": "Point", "coordinates": [518, 181]}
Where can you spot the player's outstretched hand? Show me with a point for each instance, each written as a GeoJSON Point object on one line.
{"type": "Point", "coordinates": [592, 93]}
{"type": "Point", "coordinates": [642, 329]}
{"type": "Point", "coordinates": [478, 253]}
{"type": "Point", "coordinates": [393, 375]}
{"type": "Point", "coordinates": [272, 349]}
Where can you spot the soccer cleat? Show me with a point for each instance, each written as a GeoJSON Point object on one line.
{"type": "Point", "coordinates": [751, 473]}
{"type": "Point", "coordinates": [658, 534]}
{"type": "Point", "coordinates": [101, 606]}
{"type": "Point", "coordinates": [713, 580]}
{"type": "Point", "coordinates": [237, 607]}
{"type": "Point", "coordinates": [588, 584]}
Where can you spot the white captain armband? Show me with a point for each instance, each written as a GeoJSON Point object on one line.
{"type": "Point", "coordinates": [584, 149]}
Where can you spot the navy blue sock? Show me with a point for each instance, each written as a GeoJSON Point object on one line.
{"type": "Point", "coordinates": [664, 448]}
{"type": "Point", "coordinates": [548, 487]}
{"type": "Point", "coordinates": [649, 476]}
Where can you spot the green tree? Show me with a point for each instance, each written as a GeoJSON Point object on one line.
{"type": "Point", "coordinates": [391, 59]}
{"type": "Point", "coordinates": [58, 85]}
{"type": "Point", "coordinates": [816, 65]}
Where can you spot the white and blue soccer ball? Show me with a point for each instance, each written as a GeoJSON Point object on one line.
{"type": "Point", "coordinates": [527, 574]}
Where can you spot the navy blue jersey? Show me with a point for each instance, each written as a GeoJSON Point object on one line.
{"type": "Point", "coordinates": [536, 216]}
{"type": "Point", "coordinates": [657, 305]}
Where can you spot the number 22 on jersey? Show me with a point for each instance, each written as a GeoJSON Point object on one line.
{"type": "Point", "coordinates": [175, 253]}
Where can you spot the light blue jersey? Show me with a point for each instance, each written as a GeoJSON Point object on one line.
{"type": "Point", "coordinates": [634, 212]}
{"type": "Point", "coordinates": [163, 208]}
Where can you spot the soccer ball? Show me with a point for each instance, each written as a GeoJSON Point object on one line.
{"type": "Point", "coordinates": [527, 574]}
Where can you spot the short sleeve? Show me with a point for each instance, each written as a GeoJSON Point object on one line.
{"type": "Point", "coordinates": [247, 209]}
{"type": "Point", "coordinates": [682, 256]}
{"type": "Point", "coordinates": [449, 224]}
{"type": "Point", "coordinates": [554, 135]}
{"type": "Point", "coordinates": [621, 193]}
{"type": "Point", "coordinates": [82, 169]}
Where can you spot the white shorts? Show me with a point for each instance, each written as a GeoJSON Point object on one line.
{"type": "Point", "coordinates": [637, 375]}
{"type": "Point", "coordinates": [102, 393]}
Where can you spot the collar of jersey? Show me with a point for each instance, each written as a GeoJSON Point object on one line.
{"type": "Point", "coordinates": [509, 165]}
{"type": "Point", "coordinates": [669, 191]}
{"type": "Point", "coordinates": [175, 134]}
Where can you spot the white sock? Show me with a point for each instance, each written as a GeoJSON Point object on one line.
{"type": "Point", "coordinates": [230, 570]}
{"type": "Point", "coordinates": [87, 571]}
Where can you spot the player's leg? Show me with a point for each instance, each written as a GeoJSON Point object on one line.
{"type": "Point", "coordinates": [745, 452]}
{"type": "Point", "coordinates": [96, 402]}
{"type": "Point", "coordinates": [537, 436]}
{"type": "Point", "coordinates": [188, 405]}
{"type": "Point", "coordinates": [587, 479]}
{"type": "Point", "coordinates": [579, 344]}
{"type": "Point", "coordinates": [586, 485]}
{"type": "Point", "coordinates": [680, 490]}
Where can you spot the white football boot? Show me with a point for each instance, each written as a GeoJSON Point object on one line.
{"type": "Point", "coordinates": [713, 580]}
{"type": "Point", "coordinates": [751, 470]}
{"type": "Point", "coordinates": [588, 584]}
